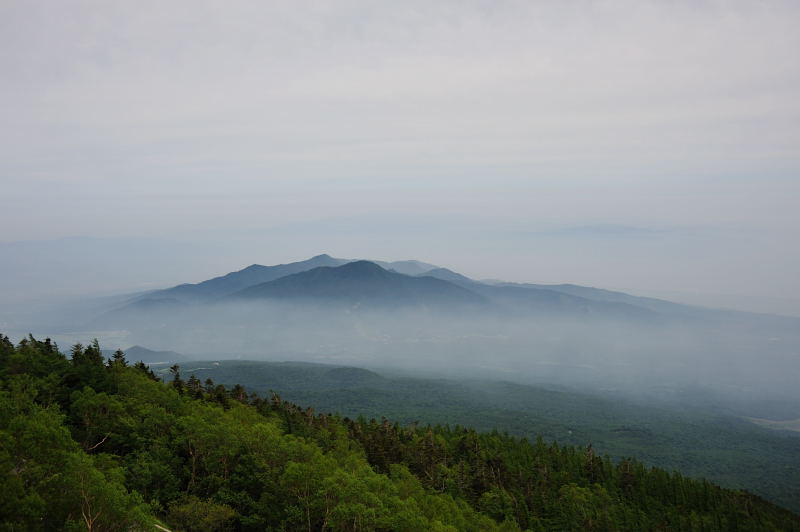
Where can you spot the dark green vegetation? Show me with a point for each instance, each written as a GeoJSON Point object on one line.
{"type": "Point", "coordinates": [92, 444]}
{"type": "Point", "coordinates": [728, 450]}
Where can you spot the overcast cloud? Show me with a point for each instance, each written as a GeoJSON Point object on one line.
{"type": "Point", "coordinates": [626, 144]}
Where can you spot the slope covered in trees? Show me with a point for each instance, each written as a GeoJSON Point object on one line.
{"type": "Point", "coordinates": [692, 437]}
{"type": "Point", "coordinates": [92, 444]}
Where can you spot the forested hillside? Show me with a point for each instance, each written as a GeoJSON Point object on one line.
{"type": "Point", "coordinates": [689, 437]}
{"type": "Point", "coordinates": [95, 444]}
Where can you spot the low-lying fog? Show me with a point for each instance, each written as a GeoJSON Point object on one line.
{"type": "Point", "coordinates": [748, 363]}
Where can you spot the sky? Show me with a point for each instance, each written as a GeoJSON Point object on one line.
{"type": "Point", "coordinates": [647, 146]}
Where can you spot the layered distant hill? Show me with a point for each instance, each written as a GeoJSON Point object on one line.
{"type": "Point", "coordinates": [362, 282]}
{"type": "Point", "coordinates": [235, 281]}
{"type": "Point", "coordinates": [257, 274]}
{"type": "Point", "coordinates": [138, 353]}
{"type": "Point", "coordinates": [404, 283]}
{"type": "Point", "coordinates": [328, 309]}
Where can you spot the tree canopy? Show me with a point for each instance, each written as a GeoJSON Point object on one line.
{"type": "Point", "coordinates": [96, 444]}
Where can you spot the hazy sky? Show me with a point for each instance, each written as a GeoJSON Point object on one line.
{"type": "Point", "coordinates": [626, 144]}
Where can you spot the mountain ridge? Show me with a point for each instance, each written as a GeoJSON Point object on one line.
{"type": "Point", "coordinates": [524, 297]}
{"type": "Point", "coordinates": [360, 282]}
{"type": "Point", "coordinates": [240, 279]}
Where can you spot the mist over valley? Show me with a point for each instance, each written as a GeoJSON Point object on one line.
{"type": "Point", "coordinates": [420, 318]}
{"type": "Point", "coordinates": [400, 266]}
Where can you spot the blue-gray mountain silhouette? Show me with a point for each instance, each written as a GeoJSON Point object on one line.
{"type": "Point", "coordinates": [362, 282]}
{"type": "Point", "coordinates": [238, 280]}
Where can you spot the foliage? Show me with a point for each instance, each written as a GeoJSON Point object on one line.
{"type": "Point", "coordinates": [101, 445]}
{"type": "Point", "coordinates": [709, 443]}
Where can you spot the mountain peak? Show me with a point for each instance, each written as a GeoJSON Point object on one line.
{"type": "Point", "coordinates": [361, 265]}
{"type": "Point", "coordinates": [360, 269]}
{"type": "Point", "coordinates": [364, 282]}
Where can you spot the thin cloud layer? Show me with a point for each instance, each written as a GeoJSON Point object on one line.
{"type": "Point", "coordinates": [155, 119]}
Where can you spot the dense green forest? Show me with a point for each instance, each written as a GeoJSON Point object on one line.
{"type": "Point", "coordinates": [707, 443]}
{"type": "Point", "coordinates": [88, 443]}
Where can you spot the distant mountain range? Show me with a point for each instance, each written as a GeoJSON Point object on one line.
{"type": "Point", "coordinates": [412, 314]}
{"type": "Point", "coordinates": [257, 274]}
{"type": "Point", "coordinates": [527, 298]}
{"type": "Point", "coordinates": [239, 280]}
{"type": "Point", "coordinates": [357, 283]}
